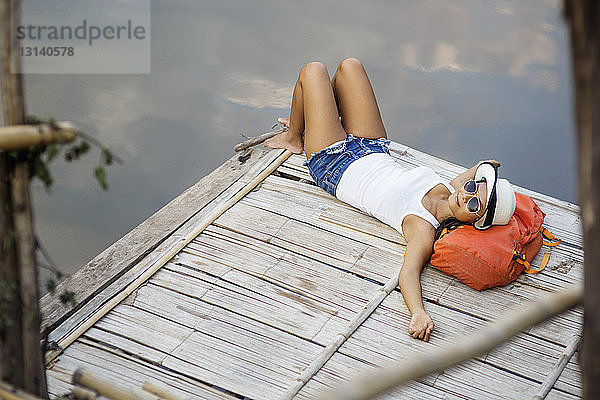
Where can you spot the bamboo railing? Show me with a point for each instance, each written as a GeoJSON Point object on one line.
{"type": "Point", "coordinates": [257, 140]}
{"type": "Point", "coordinates": [572, 346]}
{"type": "Point", "coordinates": [11, 392]}
{"type": "Point", "coordinates": [19, 137]}
{"type": "Point", "coordinates": [90, 386]}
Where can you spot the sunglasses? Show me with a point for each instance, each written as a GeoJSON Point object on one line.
{"type": "Point", "coordinates": [474, 204]}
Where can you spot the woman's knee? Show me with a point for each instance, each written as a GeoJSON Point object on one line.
{"type": "Point", "coordinates": [350, 65]}
{"type": "Point", "coordinates": [314, 68]}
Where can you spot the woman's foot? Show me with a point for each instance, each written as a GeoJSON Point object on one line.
{"type": "Point", "coordinates": [285, 141]}
{"type": "Point", "coordinates": [284, 121]}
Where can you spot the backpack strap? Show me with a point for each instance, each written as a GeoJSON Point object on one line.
{"type": "Point", "coordinates": [554, 240]}
{"type": "Point", "coordinates": [444, 232]}
{"type": "Point", "coordinates": [521, 259]}
{"type": "Point", "coordinates": [447, 230]}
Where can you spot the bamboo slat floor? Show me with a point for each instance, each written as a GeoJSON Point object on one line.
{"type": "Point", "coordinates": [251, 301]}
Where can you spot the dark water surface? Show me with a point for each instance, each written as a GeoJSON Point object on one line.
{"type": "Point", "coordinates": [462, 80]}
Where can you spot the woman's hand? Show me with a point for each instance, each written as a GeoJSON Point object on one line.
{"type": "Point", "coordinates": [421, 326]}
{"type": "Point", "coordinates": [493, 162]}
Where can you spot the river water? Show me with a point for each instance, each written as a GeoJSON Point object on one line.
{"type": "Point", "coordinates": [462, 80]}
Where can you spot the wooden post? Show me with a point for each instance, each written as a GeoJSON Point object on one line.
{"type": "Point", "coordinates": [11, 344]}
{"type": "Point", "coordinates": [584, 19]}
{"type": "Point", "coordinates": [29, 369]}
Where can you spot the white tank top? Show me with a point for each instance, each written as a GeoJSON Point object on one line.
{"type": "Point", "coordinates": [379, 186]}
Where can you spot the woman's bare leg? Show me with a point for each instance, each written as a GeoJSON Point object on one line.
{"type": "Point", "coordinates": [292, 139]}
{"type": "Point", "coordinates": [356, 101]}
{"type": "Point", "coordinates": [314, 113]}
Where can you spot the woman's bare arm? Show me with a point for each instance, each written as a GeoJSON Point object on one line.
{"type": "Point", "coordinates": [418, 251]}
{"type": "Point", "coordinates": [469, 174]}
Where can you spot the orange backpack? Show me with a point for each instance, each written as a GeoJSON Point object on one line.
{"type": "Point", "coordinates": [498, 255]}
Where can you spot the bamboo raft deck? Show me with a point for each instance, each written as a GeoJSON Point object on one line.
{"type": "Point", "coordinates": [251, 301]}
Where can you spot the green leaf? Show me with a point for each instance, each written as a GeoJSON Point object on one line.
{"type": "Point", "coordinates": [32, 120]}
{"type": "Point", "coordinates": [51, 285]}
{"type": "Point", "coordinates": [107, 157]}
{"type": "Point", "coordinates": [41, 172]}
{"type": "Point", "coordinates": [84, 147]}
{"type": "Point", "coordinates": [101, 177]}
{"type": "Point", "coordinates": [77, 150]}
{"type": "Point", "coordinates": [80, 149]}
{"type": "Point", "coordinates": [51, 153]}
{"type": "Point", "coordinates": [69, 155]}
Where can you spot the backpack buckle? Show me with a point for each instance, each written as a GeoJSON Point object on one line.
{"type": "Point", "coordinates": [520, 257]}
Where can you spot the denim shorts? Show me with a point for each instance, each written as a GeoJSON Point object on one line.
{"type": "Point", "coordinates": [327, 166]}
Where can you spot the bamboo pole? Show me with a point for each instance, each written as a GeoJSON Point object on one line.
{"type": "Point", "coordinates": [257, 140]}
{"type": "Point", "coordinates": [165, 257]}
{"type": "Point", "coordinates": [107, 388]}
{"type": "Point", "coordinates": [563, 360]}
{"type": "Point", "coordinates": [341, 337]}
{"type": "Point", "coordinates": [19, 137]}
{"type": "Point", "coordinates": [82, 393]}
{"type": "Point", "coordinates": [382, 380]}
{"type": "Point", "coordinates": [156, 389]}
{"type": "Point", "coordinates": [11, 392]}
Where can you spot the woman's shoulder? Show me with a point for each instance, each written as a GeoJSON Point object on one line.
{"type": "Point", "coordinates": [417, 228]}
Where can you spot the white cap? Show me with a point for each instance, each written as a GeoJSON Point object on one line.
{"type": "Point", "coordinates": [501, 199]}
